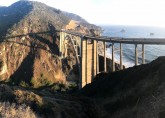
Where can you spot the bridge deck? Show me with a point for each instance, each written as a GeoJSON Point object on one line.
{"type": "Point", "coordinates": [151, 41]}
{"type": "Point", "coordinates": [89, 55]}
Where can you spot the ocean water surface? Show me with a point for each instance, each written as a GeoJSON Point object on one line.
{"type": "Point", "coordinates": [151, 51]}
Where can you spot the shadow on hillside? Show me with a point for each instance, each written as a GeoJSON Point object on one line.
{"type": "Point", "coordinates": [19, 36]}
{"type": "Point", "coordinates": [12, 15]}
{"type": "Point", "coordinates": [25, 71]}
{"type": "Point", "coordinates": [53, 34]}
{"type": "Point", "coordinates": [52, 46]}
{"type": "Point", "coordinates": [36, 46]}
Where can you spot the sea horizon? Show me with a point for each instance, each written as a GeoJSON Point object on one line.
{"type": "Point", "coordinates": [151, 51]}
{"type": "Point", "coordinates": [133, 31]}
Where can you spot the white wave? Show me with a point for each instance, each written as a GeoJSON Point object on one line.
{"type": "Point", "coordinates": [126, 62]}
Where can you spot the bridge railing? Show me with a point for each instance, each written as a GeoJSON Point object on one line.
{"type": "Point", "coordinates": [88, 52]}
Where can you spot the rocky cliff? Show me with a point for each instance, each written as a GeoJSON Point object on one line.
{"type": "Point", "coordinates": [29, 43]}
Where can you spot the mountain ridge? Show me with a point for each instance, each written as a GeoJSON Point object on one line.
{"type": "Point", "coordinates": [24, 9]}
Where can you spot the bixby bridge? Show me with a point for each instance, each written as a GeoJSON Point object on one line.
{"type": "Point", "coordinates": [87, 51]}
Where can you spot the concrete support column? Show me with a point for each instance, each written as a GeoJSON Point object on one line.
{"type": "Point", "coordinates": [143, 54]}
{"type": "Point", "coordinates": [136, 55]}
{"type": "Point", "coordinates": [105, 61]}
{"type": "Point", "coordinates": [86, 61]}
{"type": "Point", "coordinates": [83, 63]}
{"type": "Point", "coordinates": [113, 62]}
{"type": "Point", "coordinates": [65, 45]}
{"type": "Point", "coordinates": [94, 58]}
{"type": "Point", "coordinates": [97, 58]}
{"type": "Point", "coordinates": [121, 57]}
{"type": "Point", "coordinates": [60, 44]}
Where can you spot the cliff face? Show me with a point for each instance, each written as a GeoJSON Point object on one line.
{"type": "Point", "coordinates": [31, 59]}
{"type": "Point", "coordinates": [29, 43]}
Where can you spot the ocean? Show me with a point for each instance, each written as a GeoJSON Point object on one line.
{"type": "Point", "coordinates": [151, 51]}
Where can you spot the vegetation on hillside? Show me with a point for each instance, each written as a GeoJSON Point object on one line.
{"type": "Point", "coordinates": [8, 110]}
{"type": "Point", "coordinates": [136, 92]}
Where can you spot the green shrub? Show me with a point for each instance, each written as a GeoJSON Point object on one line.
{"type": "Point", "coordinates": [23, 84]}
{"type": "Point", "coordinates": [41, 81]}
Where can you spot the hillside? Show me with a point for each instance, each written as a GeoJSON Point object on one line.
{"type": "Point", "coordinates": [29, 44]}
{"type": "Point", "coordinates": [37, 15]}
{"type": "Point", "coordinates": [33, 15]}
{"type": "Point", "coordinates": [81, 23]}
{"type": "Point", "coordinates": [137, 92]}
{"type": "Point", "coordinates": [75, 17]}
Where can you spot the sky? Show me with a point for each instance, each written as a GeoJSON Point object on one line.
{"type": "Point", "coordinates": [112, 12]}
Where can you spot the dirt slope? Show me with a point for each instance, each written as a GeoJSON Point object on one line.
{"type": "Point", "coordinates": [136, 92]}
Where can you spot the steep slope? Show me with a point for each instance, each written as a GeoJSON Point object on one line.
{"type": "Point", "coordinates": [80, 24]}
{"type": "Point", "coordinates": [33, 15]}
{"type": "Point", "coordinates": [75, 17]}
{"type": "Point", "coordinates": [29, 43]}
{"type": "Point", "coordinates": [11, 15]}
{"type": "Point", "coordinates": [137, 92]}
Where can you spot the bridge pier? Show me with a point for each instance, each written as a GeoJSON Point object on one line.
{"type": "Point", "coordinates": [60, 46]}
{"type": "Point", "coordinates": [143, 54]}
{"type": "Point", "coordinates": [121, 57]}
{"type": "Point", "coordinates": [136, 55]}
{"type": "Point", "coordinates": [83, 63]}
{"type": "Point", "coordinates": [63, 46]}
{"type": "Point", "coordinates": [113, 62]}
{"type": "Point", "coordinates": [97, 58]}
{"type": "Point", "coordinates": [88, 62]}
{"type": "Point", "coordinates": [105, 58]}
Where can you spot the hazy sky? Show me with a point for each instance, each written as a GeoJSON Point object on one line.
{"type": "Point", "coordinates": [121, 12]}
